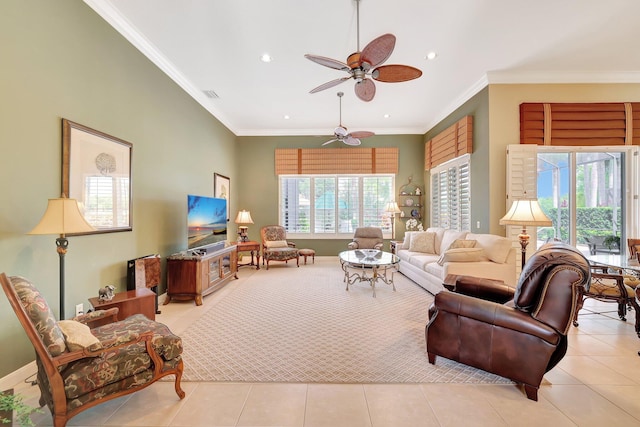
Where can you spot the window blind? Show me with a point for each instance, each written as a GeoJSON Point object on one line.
{"type": "Point", "coordinates": [318, 161]}
{"type": "Point", "coordinates": [580, 124]}
{"type": "Point", "coordinates": [453, 142]}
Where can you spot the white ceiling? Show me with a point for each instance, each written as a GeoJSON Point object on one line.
{"type": "Point", "coordinates": [217, 44]}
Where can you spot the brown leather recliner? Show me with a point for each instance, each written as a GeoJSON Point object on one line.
{"type": "Point", "coordinates": [518, 334]}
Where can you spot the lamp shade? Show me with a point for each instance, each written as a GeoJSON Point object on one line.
{"type": "Point", "coordinates": [62, 217]}
{"type": "Point", "coordinates": [392, 207]}
{"type": "Point", "coordinates": [244, 217]}
{"type": "Point", "coordinates": [525, 212]}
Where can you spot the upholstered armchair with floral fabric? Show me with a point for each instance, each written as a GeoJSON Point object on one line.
{"type": "Point", "coordinates": [275, 246]}
{"type": "Point", "coordinates": [80, 367]}
{"type": "Point", "coordinates": [367, 238]}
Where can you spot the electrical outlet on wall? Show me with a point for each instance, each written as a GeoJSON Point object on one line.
{"type": "Point", "coordinates": [79, 309]}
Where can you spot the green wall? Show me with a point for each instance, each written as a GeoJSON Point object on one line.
{"type": "Point", "coordinates": [259, 181]}
{"type": "Point", "coordinates": [61, 60]}
{"type": "Point", "coordinates": [478, 107]}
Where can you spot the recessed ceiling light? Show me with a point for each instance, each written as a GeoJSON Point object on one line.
{"type": "Point", "coordinates": [265, 57]}
{"type": "Point", "coordinates": [286, 117]}
{"type": "Point", "coordinates": [431, 55]}
{"type": "Point", "coordinates": [386, 116]}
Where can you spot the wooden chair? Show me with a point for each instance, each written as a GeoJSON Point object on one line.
{"type": "Point", "coordinates": [276, 247]}
{"type": "Point", "coordinates": [610, 287]}
{"type": "Point", "coordinates": [78, 367]}
{"type": "Point", "coordinates": [634, 246]}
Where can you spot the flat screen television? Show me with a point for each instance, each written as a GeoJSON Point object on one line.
{"type": "Point", "coordinates": [206, 222]}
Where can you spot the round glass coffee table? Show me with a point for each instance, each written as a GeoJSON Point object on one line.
{"type": "Point", "coordinates": [368, 265]}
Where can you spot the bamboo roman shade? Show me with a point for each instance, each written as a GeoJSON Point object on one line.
{"type": "Point", "coordinates": [585, 124]}
{"type": "Point", "coordinates": [317, 161]}
{"type": "Point", "coordinates": [453, 142]}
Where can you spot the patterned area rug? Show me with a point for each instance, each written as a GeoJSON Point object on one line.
{"type": "Point", "coordinates": [292, 324]}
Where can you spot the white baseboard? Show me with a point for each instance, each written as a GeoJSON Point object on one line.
{"type": "Point", "coordinates": [18, 376]}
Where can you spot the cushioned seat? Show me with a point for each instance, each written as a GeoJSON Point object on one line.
{"type": "Point", "coordinates": [79, 367]}
{"type": "Point", "coordinates": [367, 238]}
{"type": "Point", "coordinates": [275, 246]}
{"type": "Point", "coordinates": [609, 287]}
{"type": "Point", "coordinates": [519, 334]}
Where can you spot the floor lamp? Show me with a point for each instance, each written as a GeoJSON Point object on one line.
{"type": "Point", "coordinates": [62, 217]}
{"type": "Point", "coordinates": [525, 212]}
{"type": "Point", "coordinates": [392, 208]}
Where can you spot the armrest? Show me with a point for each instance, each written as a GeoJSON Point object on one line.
{"type": "Point", "coordinates": [617, 278]}
{"type": "Point", "coordinates": [98, 317]}
{"type": "Point", "coordinates": [291, 244]}
{"type": "Point", "coordinates": [352, 245]}
{"type": "Point", "coordinates": [494, 314]}
{"type": "Point", "coordinates": [486, 289]}
{"type": "Point", "coordinates": [110, 345]}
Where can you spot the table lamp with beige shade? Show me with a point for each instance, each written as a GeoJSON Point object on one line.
{"type": "Point", "coordinates": [243, 218]}
{"type": "Point", "coordinates": [523, 212]}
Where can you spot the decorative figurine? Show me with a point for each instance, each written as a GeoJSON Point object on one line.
{"type": "Point", "coordinates": [106, 293]}
{"type": "Point", "coordinates": [418, 192]}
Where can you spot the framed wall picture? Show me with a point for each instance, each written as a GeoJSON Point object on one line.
{"type": "Point", "coordinates": [96, 171]}
{"type": "Point", "coordinates": [222, 190]}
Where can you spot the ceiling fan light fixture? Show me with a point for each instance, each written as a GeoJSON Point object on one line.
{"type": "Point", "coordinates": [366, 62]}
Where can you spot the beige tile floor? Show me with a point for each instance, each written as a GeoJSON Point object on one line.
{"type": "Point", "coordinates": [597, 383]}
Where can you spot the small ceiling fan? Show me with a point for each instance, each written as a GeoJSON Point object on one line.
{"type": "Point", "coordinates": [340, 133]}
{"type": "Point", "coordinates": [362, 64]}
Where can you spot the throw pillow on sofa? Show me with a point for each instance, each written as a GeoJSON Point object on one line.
{"type": "Point", "coordinates": [463, 255]}
{"type": "Point", "coordinates": [496, 247]}
{"type": "Point", "coordinates": [424, 242]}
{"type": "Point", "coordinates": [463, 243]}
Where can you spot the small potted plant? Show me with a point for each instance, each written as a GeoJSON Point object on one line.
{"type": "Point", "coordinates": [10, 404]}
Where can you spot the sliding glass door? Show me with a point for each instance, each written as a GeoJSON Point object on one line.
{"type": "Point", "coordinates": [583, 193]}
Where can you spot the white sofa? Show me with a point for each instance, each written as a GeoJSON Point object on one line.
{"type": "Point", "coordinates": [427, 257]}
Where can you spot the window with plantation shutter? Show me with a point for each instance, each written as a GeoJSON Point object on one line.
{"type": "Point", "coordinates": [451, 195]}
{"type": "Point", "coordinates": [333, 206]}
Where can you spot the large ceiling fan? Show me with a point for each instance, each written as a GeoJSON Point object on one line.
{"type": "Point", "coordinates": [340, 133]}
{"type": "Point", "coordinates": [362, 64]}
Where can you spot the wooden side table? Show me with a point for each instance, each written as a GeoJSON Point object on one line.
{"type": "Point", "coordinates": [393, 246]}
{"type": "Point", "coordinates": [137, 301]}
{"type": "Point", "coordinates": [250, 246]}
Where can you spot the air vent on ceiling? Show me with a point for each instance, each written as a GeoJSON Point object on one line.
{"type": "Point", "coordinates": [211, 94]}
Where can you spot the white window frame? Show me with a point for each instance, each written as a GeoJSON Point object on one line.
{"type": "Point", "coordinates": [385, 223]}
{"type": "Point", "coordinates": [458, 210]}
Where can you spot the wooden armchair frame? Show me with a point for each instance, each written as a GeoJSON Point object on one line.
{"type": "Point", "coordinates": [51, 365]}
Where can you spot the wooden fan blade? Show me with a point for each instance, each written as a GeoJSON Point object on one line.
{"type": "Point", "coordinates": [349, 140]}
{"type": "Point", "coordinates": [329, 142]}
{"type": "Point", "coordinates": [365, 90]}
{"type": "Point", "coordinates": [361, 134]}
{"type": "Point", "coordinates": [395, 73]}
{"type": "Point", "coordinates": [327, 85]}
{"type": "Point", "coordinates": [328, 62]}
{"type": "Point", "coordinates": [379, 50]}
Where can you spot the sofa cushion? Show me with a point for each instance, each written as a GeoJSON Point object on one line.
{"type": "Point", "coordinates": [423, 242]}
{"type": "Point", "coordinates": [496, 247]}
{"type": "Point", "coordinates": [463, 243]}
{"type": "Point", "coordinates": [448, 238]}
{"type": "Point", "coordinates": [463, 255]}
{"type": "Point", "coordinates": [407, 239]}
{"type": "Point", "coordinates": [439, 233]}
{"type": "Point", "coordinates": [421, 260]}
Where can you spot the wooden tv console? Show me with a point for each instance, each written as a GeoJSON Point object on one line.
{"type": "Point", "coordinates": [193, 276]}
